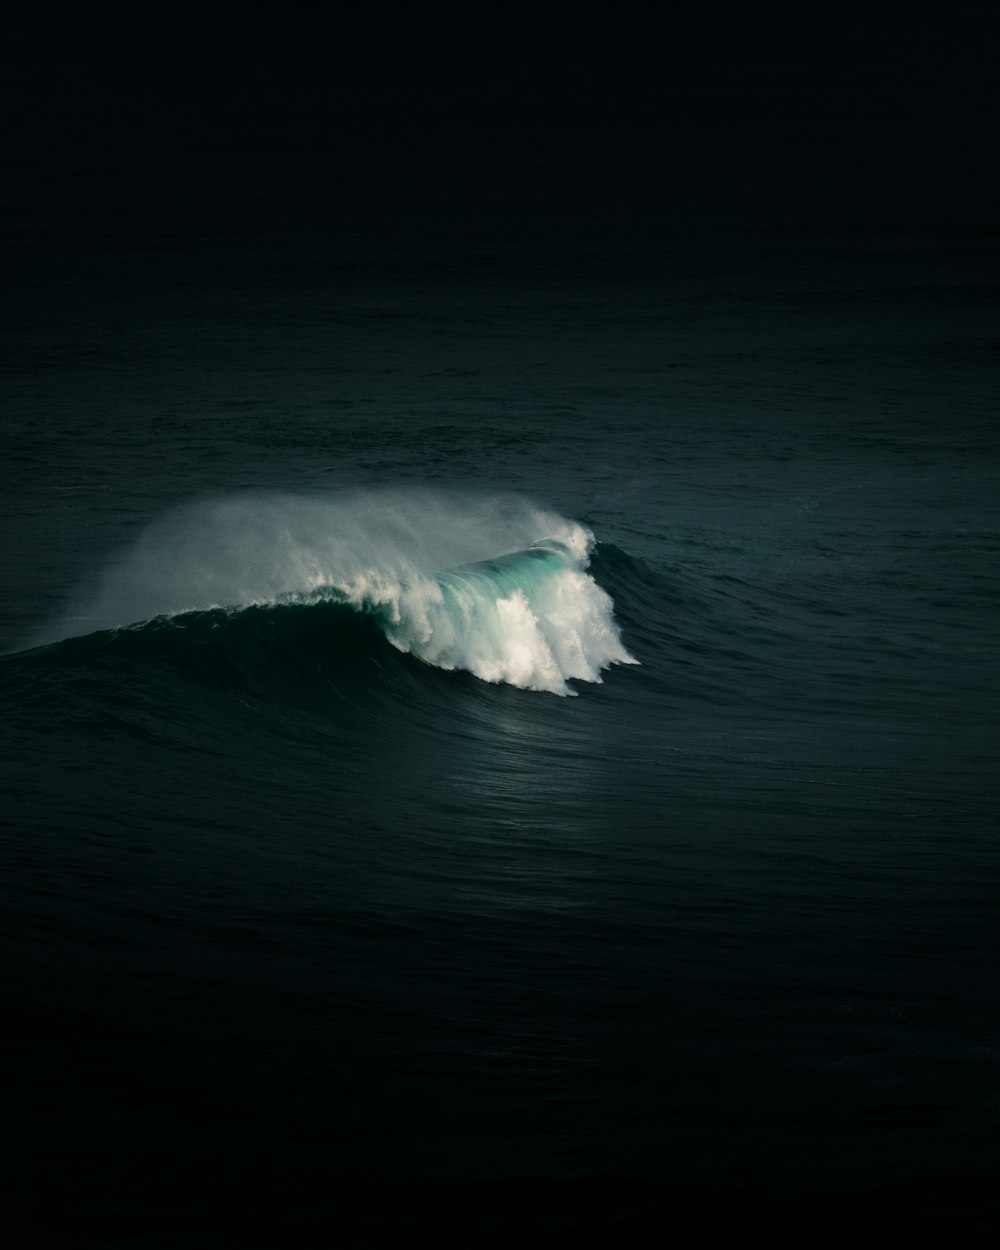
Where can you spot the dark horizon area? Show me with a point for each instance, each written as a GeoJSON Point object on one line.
{"type": "Point", "coordinates": [738, 83]}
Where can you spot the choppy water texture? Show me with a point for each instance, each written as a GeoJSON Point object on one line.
{"type": "Point", "coordinates": [328, 920]}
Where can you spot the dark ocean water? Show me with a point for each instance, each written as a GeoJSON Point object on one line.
{"type": "Point", "coordinates": [313, 936]}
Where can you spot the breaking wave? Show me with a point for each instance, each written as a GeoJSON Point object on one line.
{"type": "Point", "coordinates": [492, 585]}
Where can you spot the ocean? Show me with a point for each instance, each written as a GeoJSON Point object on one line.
{"type": "Point", "coordinates": [500, 691]}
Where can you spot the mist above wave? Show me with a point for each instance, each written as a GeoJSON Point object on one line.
{"type": "Point", "coordinates": [487, 583]}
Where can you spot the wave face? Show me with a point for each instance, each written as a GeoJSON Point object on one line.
{"type": "Point", "coordinates": [492, 585]}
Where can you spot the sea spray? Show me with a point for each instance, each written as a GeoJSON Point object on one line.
{"type": "Point", "coordinates": [487, 583]}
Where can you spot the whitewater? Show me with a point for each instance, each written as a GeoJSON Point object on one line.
{"type": "Point", "coordinates": [491, 584]}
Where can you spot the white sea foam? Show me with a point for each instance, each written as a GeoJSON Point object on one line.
{"type": "Point", "coordinates": [490, 584]}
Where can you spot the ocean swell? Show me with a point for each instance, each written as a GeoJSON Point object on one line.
{"type": "Point", "coordinates": [489, 584]}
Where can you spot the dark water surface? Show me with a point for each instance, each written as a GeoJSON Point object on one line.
{"type": "Point", "coordinates": [312, 939]}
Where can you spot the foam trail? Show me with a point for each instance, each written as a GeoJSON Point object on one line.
{"type": "Point", "coordinates": [490, 584]}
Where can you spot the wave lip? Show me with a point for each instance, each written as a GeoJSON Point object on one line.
{"type": "Point", "coordinates": [533, 619]}
{"type": "Point", "coordinates": [423, 564]}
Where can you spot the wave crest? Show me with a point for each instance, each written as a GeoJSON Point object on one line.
{"type": "Point", "coordinates": [492, 585]}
